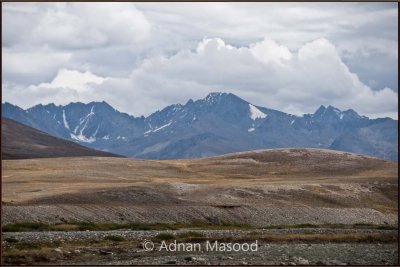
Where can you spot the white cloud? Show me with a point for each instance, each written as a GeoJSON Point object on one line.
{"type": "Point", "coordinates": [360, 31]}
{"type": "Point", "coordinates": [38, 65]}
{"type": "Point", "coordinates": [299, 83]}
{"type": "Point", "coordinates": [264, 73]}
{"type": "Point", "coordinates": [269, 51]}
{"type": "Point", "coordinates": [75, 25]}
{"type": "Point", "coordinates": [39, 39]}
{"type": "Point", "coordinates": [67, 86]}
{"type": "Point", "coordinates": [76, 80]}
{"type": "Point", "coordinates": [148, 55]}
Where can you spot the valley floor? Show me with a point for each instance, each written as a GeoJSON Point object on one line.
{"type": "Point", "coordinates": [287, 186]}
{"type": "Point", "coordinates": [245, 191]}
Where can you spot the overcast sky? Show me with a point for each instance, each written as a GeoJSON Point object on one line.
{"type": "Point", "coordinates": [140, 57]}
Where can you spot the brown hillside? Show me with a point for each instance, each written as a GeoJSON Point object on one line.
{"type": "Point", "coordinates": [19, 141]}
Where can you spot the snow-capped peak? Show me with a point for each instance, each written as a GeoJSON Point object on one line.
{"type": "Point", "coordinates": [335, 110]}
{"type": "Point", "coordinates": [176, 107]}
{"type": "Point", "coordinates": [213, 97]}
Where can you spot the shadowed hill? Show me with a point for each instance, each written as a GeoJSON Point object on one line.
{"type": "Point", "coordinates": [22, 142]}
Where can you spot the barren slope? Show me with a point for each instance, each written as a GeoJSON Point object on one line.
{"type": "Point", "coordinates": [19, 141]}
{"type": "Point", "coordinates": [260, 188]}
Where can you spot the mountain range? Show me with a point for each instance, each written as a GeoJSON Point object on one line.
{"type": "Point", "coordinates": [218, 124]}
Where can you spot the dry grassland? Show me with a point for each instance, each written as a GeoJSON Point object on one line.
{"type": "Point", "coordinates": [281, 178]}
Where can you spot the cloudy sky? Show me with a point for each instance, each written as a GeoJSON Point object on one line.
{"type": "Point", "coordinates": [140, 57]}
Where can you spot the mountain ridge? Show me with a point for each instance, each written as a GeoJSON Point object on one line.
{"type": "Point", "coordinates": [218, 124]}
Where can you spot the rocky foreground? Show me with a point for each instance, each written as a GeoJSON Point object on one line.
{"type": "Point", "coordinates": [273, 254]}
{"type": "Point", "coordinates": [313, 246]}
{"type": "Point", "coordinates": [68, 236]}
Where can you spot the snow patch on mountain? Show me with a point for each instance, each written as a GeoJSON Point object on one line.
{"type": "Point", "coordinates": [97, 130]}
{"type": "Point", "coordinates": [65, 120]}
{"type": "Point", "coordinates": [162, 127]}
{"type": "Point", "coordinates": [80, 137]}
{"type": "Point", "coordinates": [86, 118]}
{"type": "Point", "coordinates": [255, 113]}
{"type": "Point", "coordinates": [336, 111]}
{"type": "Point", "coordinates": [159, 128]}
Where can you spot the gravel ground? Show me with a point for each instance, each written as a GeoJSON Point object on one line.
{"type": "Point", "coordinates": [278, 254]}
{"type": "Point", "coordinates": [132, 252]}
{"type": "Point", "coordinates": [135, 235]}
{"type": "Point", "coordinates": [252, 215]}
{"type": "Point", "coordinates": [267, 254]}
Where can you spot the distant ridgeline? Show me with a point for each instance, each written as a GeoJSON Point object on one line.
{"type": "Point", "coordinates": [218, 124]}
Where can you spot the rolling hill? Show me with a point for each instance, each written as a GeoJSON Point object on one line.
{"type": "Point", "coordinates": [266, 187]}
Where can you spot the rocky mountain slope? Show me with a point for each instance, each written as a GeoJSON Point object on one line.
{"type": "Point", "coordinates": [218, 124]}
